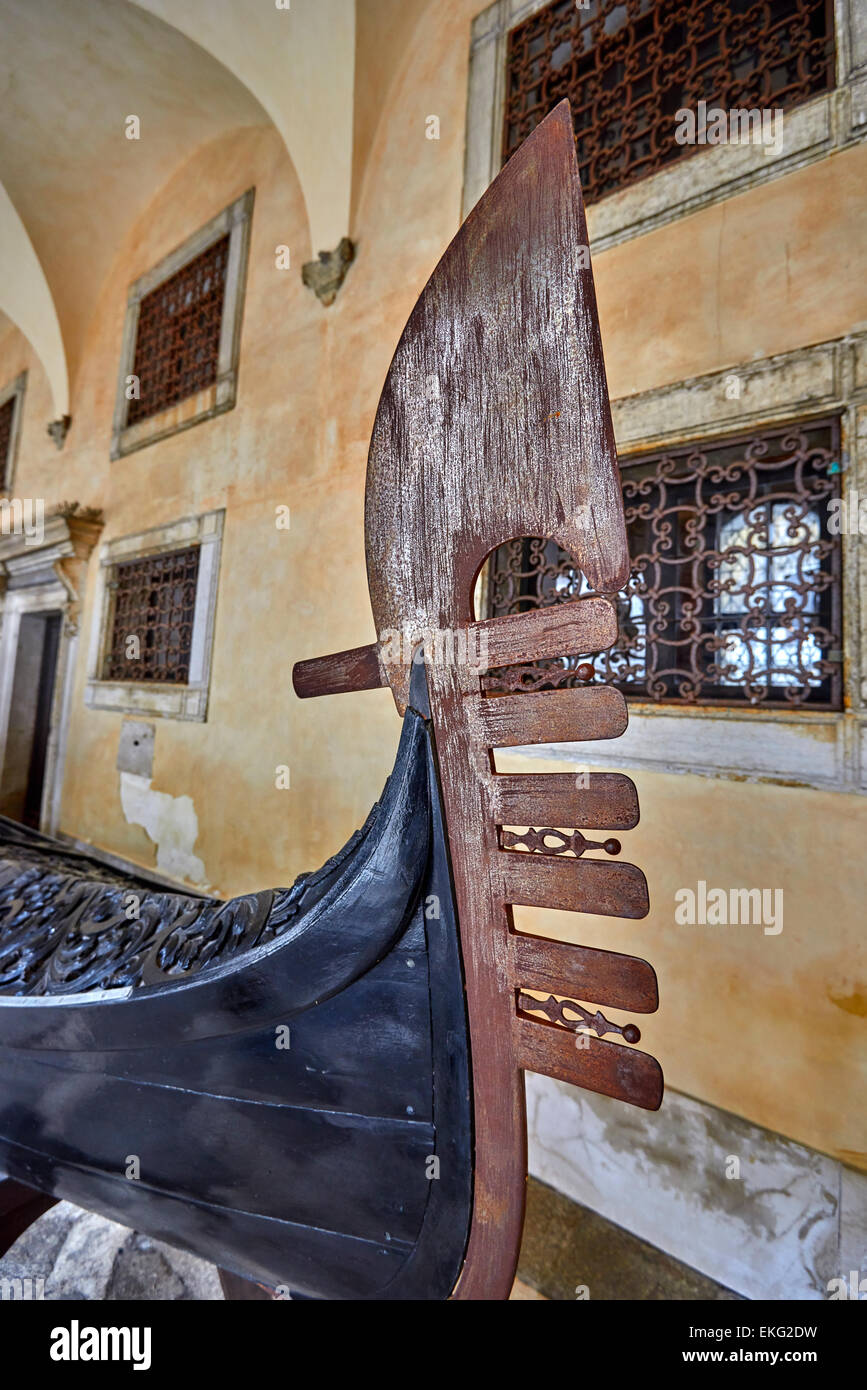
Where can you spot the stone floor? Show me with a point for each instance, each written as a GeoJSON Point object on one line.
{"type": "Point", "coordinates": [82, 1256]}
{"type": "Point", "coordinates": [571, 1252]}
{"type": "Point", "coordinates": [566, 1250]}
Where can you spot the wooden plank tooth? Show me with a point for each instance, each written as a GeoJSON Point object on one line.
{"type": "Point", "coordinates": [552, 716]}
{"type": "Point", "coordinates": [586, 974]}
{"type": "Point", "coordinates": [584, 625]}
{"type": "Point", "coordinates": [611, 1069]}
{"type": "Point", "coordinates": [608, 802]}
{"type": "Point", "coordinates": [573, 885]}
{"type": "Point", "coordinates": [356, 669]}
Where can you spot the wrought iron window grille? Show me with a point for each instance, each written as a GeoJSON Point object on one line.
{"type": "Point", "coordinates": [628, 66]}
{"type": "Point", "coordinates": [153, 600]}
{"type": "Point", "coordinates": [734, 596]}
{"type": "Point", "coordinates": [7, 418]}
{"type": "Point", "coordinates": [178, 336]}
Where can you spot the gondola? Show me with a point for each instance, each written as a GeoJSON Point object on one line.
{"type": "Point", "coordinates": [320, 1088]}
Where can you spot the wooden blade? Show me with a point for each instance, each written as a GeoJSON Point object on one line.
{"type": "Point", "coordinates": [612, 1069]}
{"type": "Point", "coordinates": [494, 419]}
{"type": "Point", "coordinates": [552, 716]}
{"type": "Point", "coordinates": [609, 801]}
{"type": "Point", "coordinates": [600, 977]}
{"type": "Point", "coordinates": [573, 885]}
{"type": "Point", "coordinates": [494, 423]}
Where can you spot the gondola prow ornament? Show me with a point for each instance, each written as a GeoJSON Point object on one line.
{"type": "Point", "coordinates": [495, 423]}
{"type": "Point", "coordinates": [323, 1086]}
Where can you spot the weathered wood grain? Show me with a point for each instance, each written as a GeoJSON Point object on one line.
{"type": "Point", "coordinates": [586, 625]}
{"type": "Point", "coordinates": [612, 1069]}
{"type": "Point", "coordinates": [552, 716]}
{"type": "Point", "coordinates": [494, 420]}
{"type": "Point", "coordinates": [356, 669]}
{"type": "Point", "coordinates": [499, 1178]}
{"type": "Point", "coordinates": [573, 885]}
{"type": "Point", "coordinates": [588, 801]}
{"type": "Point", "coordinates": [599, 977]}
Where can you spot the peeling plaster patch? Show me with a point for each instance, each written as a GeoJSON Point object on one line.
{"type": "Point", "coordinates": [135, 751]}
{"type": "Point", "coordinates": [170, 821]}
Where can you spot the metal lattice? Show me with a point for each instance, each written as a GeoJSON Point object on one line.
{"type": "Point", "coordinates": [178, 338]}
{"type": "Point", "coordinates": [627, 67]}
{"type": "Point", "coordinates": [734, 595]}
{"type": "Point", "coordinates": [7, 415]}
{"type": "Point", "coordinates": [152, 619]}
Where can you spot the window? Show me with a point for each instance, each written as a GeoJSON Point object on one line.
{"type": "Point", "coordinates": [7, 415]}
{"type": "Point", "coordinates": [178, 337]}
{"type": "Point", "coordinates": [181, 343]}
{"type": "Point", "coordinates": [734, 596]}
{"type": "Point", "coordinates": [628, 67]}
{"type": "Point", "coordinates": [151, 643]}
{"type": "Point", "coordinates": [11, 406]}
{"type": "Point", "coordinates": [153, 608]}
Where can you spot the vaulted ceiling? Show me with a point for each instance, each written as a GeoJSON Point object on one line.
{"type": "Point", "coordinates": [72, 184]}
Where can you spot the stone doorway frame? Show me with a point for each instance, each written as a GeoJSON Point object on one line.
{"type": "Point", "coordinates": [42, 578]}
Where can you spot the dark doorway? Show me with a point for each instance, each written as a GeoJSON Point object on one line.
{"type": "Point", "coordinates": [23, 774]}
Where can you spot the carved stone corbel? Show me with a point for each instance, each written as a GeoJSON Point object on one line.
{"type": "Point", "coordinates": [84, 525]}
{"type": "Point", "coordinates": [325, 276]}
{"type": "Point", "coordinates": [59, 429]}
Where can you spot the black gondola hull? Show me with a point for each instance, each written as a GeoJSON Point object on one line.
{"type": "Point", "coordinates": [299, 1114]}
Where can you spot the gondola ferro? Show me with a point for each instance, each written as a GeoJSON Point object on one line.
{"type": "Point", "coordinates": [381, 1152]}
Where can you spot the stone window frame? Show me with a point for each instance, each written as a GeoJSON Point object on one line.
{"type": "Point", "coordinates": [221, 395]}
{"type": "Point", "coordinates": [186, 702]}
{"type": "Point", "coordinates": [811, 748]}
{"type": "Point", "coordinates": [16, 389]}
{"type": "Point", "coordinates": [813, 130]}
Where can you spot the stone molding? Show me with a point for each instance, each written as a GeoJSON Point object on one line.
{"type": "Point", "coordinates": [812, 131]}
{"type": "Point", "coordinates": [187, 702]}
{"type": "Point", "coordinates": [222, 394]}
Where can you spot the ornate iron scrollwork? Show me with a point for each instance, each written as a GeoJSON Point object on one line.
{"type": "Point", "coordinates": [734, 596]}
{"type": "Point", "coordinates": [558, 1011]}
